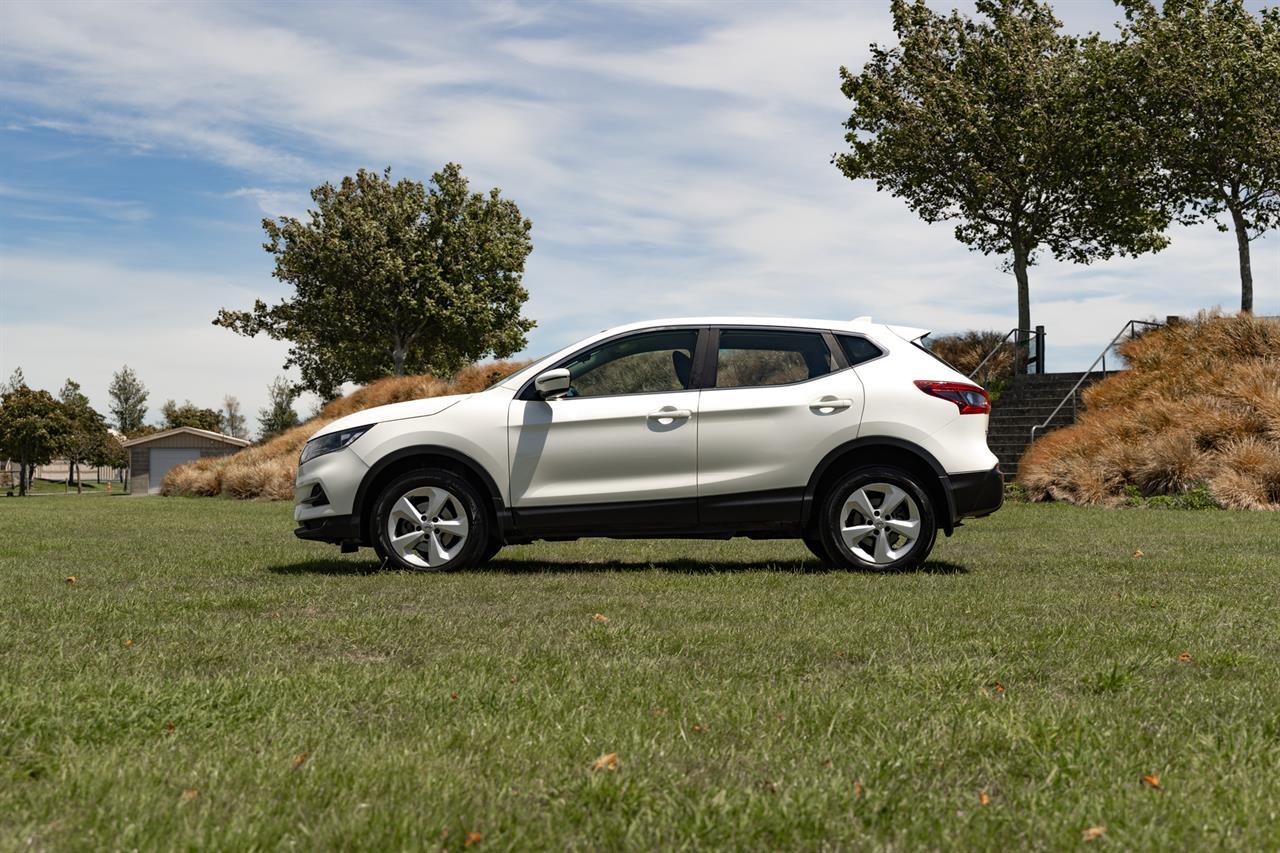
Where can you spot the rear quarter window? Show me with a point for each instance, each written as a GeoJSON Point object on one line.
{"type": "Point", "coordinates": [858, 349]}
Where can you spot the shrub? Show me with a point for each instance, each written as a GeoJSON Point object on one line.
{"type": "Point", "coordinates": [1195, 418]}
{"type": "Point", "coordinates": [268, 470]}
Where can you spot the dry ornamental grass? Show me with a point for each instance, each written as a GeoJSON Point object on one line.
{"type": "Point", "coordinates": [268, 470]}
{"type": "Point", "coordinates": [1198, 408]}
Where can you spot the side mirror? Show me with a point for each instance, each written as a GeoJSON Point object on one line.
{"type": "Point", "coordinates": [552, 384]}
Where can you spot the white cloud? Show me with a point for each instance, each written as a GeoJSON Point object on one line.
{"type": "Point", "coordinates": [674, 159]}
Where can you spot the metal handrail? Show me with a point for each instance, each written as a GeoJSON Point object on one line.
{"type": "Point", "coordinates": [1031, 335]}
{"type": "Point", "coordinates": [1102, 357]}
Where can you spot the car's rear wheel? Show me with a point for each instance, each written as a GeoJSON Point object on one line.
{"type": "Point", "coordinates": [430, 521]}
{"type": "Point", "coordinates": [878, 519]}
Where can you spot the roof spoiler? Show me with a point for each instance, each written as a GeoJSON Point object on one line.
{"type": "Point", "coordinates": [909, 334]}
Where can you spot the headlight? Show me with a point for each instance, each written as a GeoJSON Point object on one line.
{"type": "Point", "coordinates": [331, 442]}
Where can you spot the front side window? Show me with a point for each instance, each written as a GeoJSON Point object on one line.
{"type": "Point", "coordinates": [646, 363]}
{"type": "Point", "coordinates": [748, 358]}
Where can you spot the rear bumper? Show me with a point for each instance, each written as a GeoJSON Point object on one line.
{"type": "Point", "coordinates": [331, 528]}
{"type": "Point", "coordinates": [975, 495]}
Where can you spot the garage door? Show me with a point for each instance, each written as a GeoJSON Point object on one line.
{"type": "Point", "coordinates": [164, 459]}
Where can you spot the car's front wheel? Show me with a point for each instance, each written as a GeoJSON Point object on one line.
{"type": "Point", "coordinates": [430, 521]}
{"type": "Point", "coordinates": [878, 519]}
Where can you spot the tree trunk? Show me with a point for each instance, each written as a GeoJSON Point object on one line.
{"type": "Point", "coordinates": [1021, 254]}
{"type": "Point", "coordinates": [1242, 246]}
{"type": "Point", "coordinates": [79, 483]}
{"type": "Point", "coordinates": [22, 477]}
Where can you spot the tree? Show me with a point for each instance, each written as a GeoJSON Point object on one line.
{"type": "Point", "coordinates": [279, 415]}
{"type": "Point", "coordinates": [1007, 126]}
{"type": "Point", "coordinates": [394, 277]}
{"type": "Point", "coordinates": [87, 434]}
{"type": "Point", "coordinates": [189, 415]}
{"type": "Point", "coordinates": [233, 421]}
{"type": "Point", "coordinates": [33, 427]}
{"type": "Point", "coordinates": [128, 404]}
{"type": "Point", "coordinates": [16, 381]}
{"type": "Point", "coordinates": [112, 454]}
{"type": "Point", "coordinates": [1207, 74]}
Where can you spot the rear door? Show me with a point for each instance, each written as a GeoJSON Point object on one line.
{"type": "Point", "coordinates": [779, 400]}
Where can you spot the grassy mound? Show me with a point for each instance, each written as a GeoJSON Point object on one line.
{"type": "Point", "coordinates": [1199, 408]}
{"type": "Point", "coordinates": [268, 470]}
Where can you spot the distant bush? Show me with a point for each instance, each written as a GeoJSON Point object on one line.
{"type": "Point", "coordinates": [268, 470]}
{"type": "Point", "coordinates": [1196, 419]}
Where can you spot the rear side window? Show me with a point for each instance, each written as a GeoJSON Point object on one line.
{"type": "Point", "coordinates": [749, 358]}
{"type": "Point", "coordinates": [858, 350]}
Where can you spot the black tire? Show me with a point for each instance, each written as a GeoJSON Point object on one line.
{"type": "Point", "coordinates": [464, 499]}
{"type": "Point", "coordinates": [490, 551]}
{"type": "Point", "coordinates": [870, 553]}
{"type": "Point", "coordinates": [818, 548]}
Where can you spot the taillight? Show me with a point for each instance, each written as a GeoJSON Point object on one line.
{"type": "Point", "coordinates": [970, 399]}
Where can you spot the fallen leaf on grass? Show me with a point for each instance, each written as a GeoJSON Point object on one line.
{"type": "Point", "coordinates": [600, 617]}
{"type": "Point", "coordinates": [300, 759]}
{"type": "Point", "coordinates": [1093, 833]}
{"type": "Point", "coordinates": [128, 643]}
{"type": "Point", "coordinates": [857, 788]}
{"type": "Point", "coordinates": [698, 727]}
{"type": "Point", "coordinates": [189, 794]}
{"type": "Point", "coordinates": [71, 578]}
{"type": "Point", "coordinates": [453, 697]}
{"type": "Point", "coordinates": [984, 798]}
{"type": "Point", "coordinates": [997, 687]}
{"type": "Point", "coordinates": [169, 726]}
{"type": "Point", "coordinates": [828, 764]}
{"type": "Point", "coordinates": [473, 838]}
{"type": "Point", "coordinates": [1138, 553]}
{"type": "Point", "coordinates": [1185, 657]}
{"type": "Point", "coordinates": [608, 761]}
{"type": "Point", "coordinates": [1152, 780]}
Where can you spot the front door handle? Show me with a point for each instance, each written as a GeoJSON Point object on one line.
{"type": "Point", "coordinates": [828, 405]}
{"type": "Point", "coordinates": [669, 414]}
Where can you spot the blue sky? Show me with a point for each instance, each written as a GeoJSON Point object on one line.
{"type": "Point", "coordinates": [674, 159]}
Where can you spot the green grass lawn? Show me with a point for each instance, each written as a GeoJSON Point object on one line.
{"type": "Point", "coordinates": [208, 680]}
{"type": "Point", "coordinates": [40, 486]}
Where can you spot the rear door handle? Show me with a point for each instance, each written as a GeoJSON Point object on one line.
{"type": "Point", "coordinates": [669, 414]}
{"type": "Point", "coordinates": [827, 405]}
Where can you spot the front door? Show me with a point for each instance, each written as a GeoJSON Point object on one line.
{"type": "Point", "coordinates": [619, 451]}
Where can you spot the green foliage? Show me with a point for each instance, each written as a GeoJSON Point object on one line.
{"type": "Point", "coordinates": [279, 415]}
{"type": "Point", "coordinates": [1197, 497]}
{"type": "Point", "coordinates": [394, 278]}
{"type": "Point", "coordinates": [190, 415]}
{"type": "Point", "coordinates": [1206, 80]}
{"type": "Point", "coordinates": [86, 440]}
{"type": "Point", "coordinates": [1006, 126]}
{"type": "Point", "coordinates": [128, 404]}
{"type": "Point", "coordinates": [33, 428]}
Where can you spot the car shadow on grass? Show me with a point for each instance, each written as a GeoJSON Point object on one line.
{"type": "Point", "coordinates": [679, 566]}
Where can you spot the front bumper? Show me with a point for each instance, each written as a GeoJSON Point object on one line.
{"type": "Point", "coordinates": [335, 529]}
{"type": "Point", "coordinates": [975, 495]}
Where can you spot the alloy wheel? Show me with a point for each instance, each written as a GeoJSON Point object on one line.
{"type": "Point", "coordinates": [880, 523]}
{"type": "Point", "coordinates": [427, 527]}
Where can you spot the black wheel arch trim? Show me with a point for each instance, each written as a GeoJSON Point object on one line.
{"type": "Point", "coordinates": [363, 498]}
{"type": "Point", "coordinates": [946, 520]}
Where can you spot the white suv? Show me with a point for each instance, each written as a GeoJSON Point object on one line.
{"type": "Point", "coordinates": [848, 435]}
